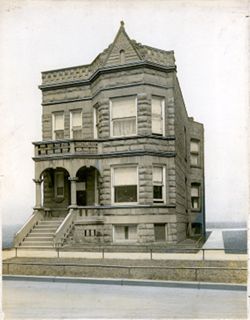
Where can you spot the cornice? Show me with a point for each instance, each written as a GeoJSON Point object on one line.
{"type": "Point", "coordinates": [105, 70]}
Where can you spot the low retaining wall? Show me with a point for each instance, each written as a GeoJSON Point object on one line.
{"type": "Point", "coordinates": [222, 274]}
{"type": "Point", "coordinates": [208, 254]}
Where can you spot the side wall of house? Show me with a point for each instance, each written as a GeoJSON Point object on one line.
{"type": "Point", "coordinates": [181, 164]}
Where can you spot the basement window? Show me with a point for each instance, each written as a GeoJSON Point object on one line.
{"type": "Point", "coordinates": [125, 233]}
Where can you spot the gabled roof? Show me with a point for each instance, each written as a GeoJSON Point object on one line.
{"type": "Point", "coordinates": [132, 51]}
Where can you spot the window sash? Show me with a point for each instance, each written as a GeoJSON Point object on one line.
{"type": "Point", "coordinates": [159, 184]}
{"type": "Point", "coordinates": [123, 107]}
{"type": "Point", "coordinates": [123, 116]}
{"type": "Point", "coordinates": [58, 121]}
{"type": "Point", "coordinates": [195, 191]}
{"type": "Point", "coordinates": [123, 176]}
{"type": "Point", "coordinates": [76, 119]}
{"type": "Point", "coordinates": [157, 106]}
{"type": "Point", "coordinates": [194, 146]}
{"type": "Point", "coordinates": [194, 159]}
{"type": "Point", "coordinates": [125, 194]}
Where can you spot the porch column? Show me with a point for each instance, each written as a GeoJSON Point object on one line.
{"type": "Point", "coordinates": [73, 181]}
{"type": "Point", "coordinates": [38, 183]}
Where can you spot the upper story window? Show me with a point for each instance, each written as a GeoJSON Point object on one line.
{"type": "Point", "coordinates": [96, 122]}
{"type": "Point", "coordinates": [76, 124]}
{"type": "Point", "coordinates": [58, 125]}
{"type": "Point", "coordinates": [194, 152]}
{"type": "Point", "coordinates": [195, 196]}
{"type": "Point", "coordinates": [124, 184]}
{"type": "Point", "coordinates": [159, 184]}
{"type": "Point", "coordinates": [123, 113]}
{"type": "Point", "coordinates": [122, 56]}
{"type": "Point", "coordinates": [158, 115]}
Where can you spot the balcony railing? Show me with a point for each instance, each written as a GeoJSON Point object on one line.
{"type": "Point", "coordinates": [48, 148]}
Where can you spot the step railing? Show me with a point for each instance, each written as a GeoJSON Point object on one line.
{"type": "Point", "coordinates": [27, 227]}
{"type": "Point", "coordinates": [64, 229]}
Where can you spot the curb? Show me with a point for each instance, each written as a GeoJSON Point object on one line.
{"type": "Point", "coordinates": [129, 282]}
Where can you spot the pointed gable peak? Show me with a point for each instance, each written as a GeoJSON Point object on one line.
{"type": "Point", "coordinates": [122, 49]}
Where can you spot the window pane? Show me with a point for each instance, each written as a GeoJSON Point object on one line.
{"type": "Point", "coordinates": [194, 160]}
{"type": "Point", "coordinates": [195, 203]}
{"type": "Point", "coordinates": [124, 127]}
{"type": "Point", "coordinates": [58, 121]}
{"type": "Point", "coordinates": [195, 191]}
{"type": "Point", "coordinates": [157, 115]}
{"type": "Point", "coordinates": [157, 106]}
{"type": "Point", "coordinates": [158, 193]}
{"type": "Point", "coordinates": [123, 107]}
{"type": "Point", "coordinates": [158, 175]}
{"type": "Point", "coordinates": [76, 119]}
{"type": "Point", "coordinates": [125, 193]}
{"type": "Point", "coordinates": [125, 176]}
{"type": "Point", "coordinates": [194, 146]}
{"type": "Point", "coordinates": [157, 125]}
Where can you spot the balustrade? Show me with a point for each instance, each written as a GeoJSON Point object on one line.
{"type": "Point", "coordinates": [65, 147]}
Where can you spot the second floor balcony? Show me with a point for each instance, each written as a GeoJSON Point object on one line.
{"type": "Point", "coordinates": [138, 144]}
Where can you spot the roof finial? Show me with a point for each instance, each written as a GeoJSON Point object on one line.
{"type": "Point", "coordinates": [122, 23]}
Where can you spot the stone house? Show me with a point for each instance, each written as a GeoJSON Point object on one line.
{"type": "Point", "coordinates": [120, 161]}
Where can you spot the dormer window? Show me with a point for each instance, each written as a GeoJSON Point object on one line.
{"type": "Point", "coordinates": [122, 56]}
{"type": "Point", "coordinates": [123, 113]}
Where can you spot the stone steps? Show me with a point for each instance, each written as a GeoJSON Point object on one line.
{"type": "Point", "coordinates": [42, 234]}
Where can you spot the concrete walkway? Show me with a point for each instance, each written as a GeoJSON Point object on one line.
{"type": "Point", "coordinates": [214, 241]}
{"type": "Point", "coordinates": [64, 300]}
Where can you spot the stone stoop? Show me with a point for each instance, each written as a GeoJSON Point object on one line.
{"type": "Point", "coordinates": [42, 234]}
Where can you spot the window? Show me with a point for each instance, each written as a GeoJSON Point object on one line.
{"type": "Point", "coordinates": [158, 116]}
{"type": "Point", "coordinates": [160, 232]}
{"type": "Point", "coordinates": [122, 56]}
{"type": "Point", "coordinates": [59, 184]}
{"type": "Point", "coordinates": [195, 196]}
{"type": "Point", "coordinates": [125, 233]}
{"type": "Point", "coordinates": [124, 184]}
{"type": "Point", "coordinates": [158, 184]}
{"type": "Point", "coordinates": [96, 123]}
{"type": "Point", "coordinates": [194, 152]}
{"type": "Point", "coordinates": [58, 125]}
{"type": "Point", "coordinates": [123, 116]}
{"type": "Point", "coordinates": [76, 124]}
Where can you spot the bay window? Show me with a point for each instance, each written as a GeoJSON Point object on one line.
{"type": "Point", "coordinates": [124, 188]}
{"type": "Point", "coordinates": [123, 113]}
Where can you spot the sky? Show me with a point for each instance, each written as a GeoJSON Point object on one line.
{"type": "Point", "coordinates": [209, 39]}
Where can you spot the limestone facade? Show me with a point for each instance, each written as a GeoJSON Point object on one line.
{"type": "Point", "coordinates": [119, 149]}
